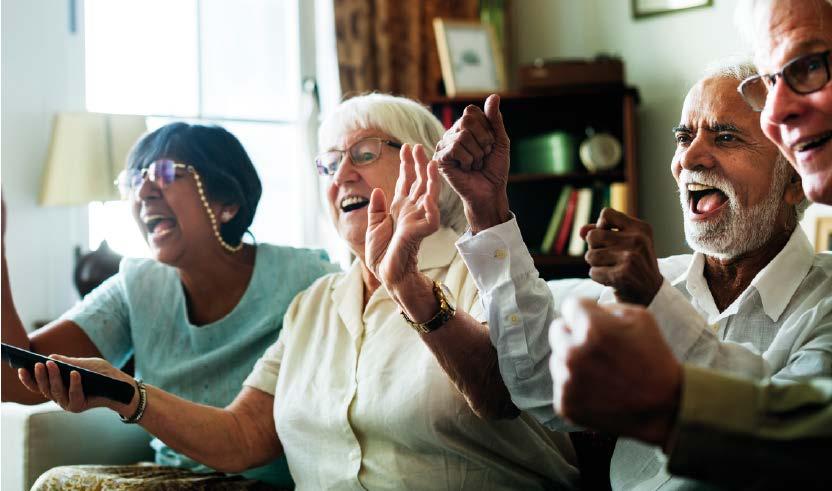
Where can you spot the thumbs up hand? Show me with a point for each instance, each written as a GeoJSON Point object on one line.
{"type": "Point", "coordinates": [473, 156]}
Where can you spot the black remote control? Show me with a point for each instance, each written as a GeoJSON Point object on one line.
{"type": "Point", "coordinates": [94, 383]}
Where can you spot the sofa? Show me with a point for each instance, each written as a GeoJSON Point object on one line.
{"type": "Point", "coordinates": [37, 438]}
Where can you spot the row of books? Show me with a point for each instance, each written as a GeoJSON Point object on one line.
{"type": "Point", "coordinates": [576, 207]}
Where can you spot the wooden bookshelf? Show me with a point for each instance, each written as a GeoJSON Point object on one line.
{"type": "Point", "coordinates": [532, 196]}
{"type": "Point", "coordinates": [581, 178]}
{"type": "Point", "coordinates": [552, 266]}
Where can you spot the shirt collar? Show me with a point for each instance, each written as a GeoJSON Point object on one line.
{"type": "Point", "coordinates": [776, 282]}
{"type": "Point", "coordinates": [779, 280]}
{"type": "Point", "coordinates": [436, 251]}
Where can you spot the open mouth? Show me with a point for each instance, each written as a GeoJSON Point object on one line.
{"type": "Point", "coordinates": [705, 199]}
{"type": "Point", "coordinates": [352, 203]}
{"type": "Point", "coordinates": [158, 225]}
{"type": "Point", "coordinates": [816, 142]}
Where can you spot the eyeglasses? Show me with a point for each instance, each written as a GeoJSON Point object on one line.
{"type": "Point", "coordinates": [160, 172]}
{"type": "Point", "coordinates": [804, 75]}
{"type": "Point", "coordinates": [362, 152]}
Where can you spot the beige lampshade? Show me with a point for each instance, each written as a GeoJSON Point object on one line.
{"type": "Point", "coordinates": [87, 152]}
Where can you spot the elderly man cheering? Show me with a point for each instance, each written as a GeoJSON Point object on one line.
{"type": "Point", "coordinates": [741, 207]}
{"type": "Point", "coordinates": [761, 435]}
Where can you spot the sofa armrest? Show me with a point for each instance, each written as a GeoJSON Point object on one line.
{"type": "Point", "coordinates": [37, 438]}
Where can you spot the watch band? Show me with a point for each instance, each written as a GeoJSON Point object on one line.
{"type": "Point", "coordinates": [446, 313]}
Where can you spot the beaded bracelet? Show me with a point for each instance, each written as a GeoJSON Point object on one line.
{"type": "Point", "coordinates": [140, 408]}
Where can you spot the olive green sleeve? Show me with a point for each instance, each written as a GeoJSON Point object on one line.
{"type": "Point", "coordinates": [737, 432]}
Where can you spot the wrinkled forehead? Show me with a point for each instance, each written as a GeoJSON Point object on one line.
{"type": "Point", "coordinates": [715, 101]}
{"type": "Point", "coordinates": [787, 29]}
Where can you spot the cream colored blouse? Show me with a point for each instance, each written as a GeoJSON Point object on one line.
{"type": "Point", "coordinates": [362, 403]}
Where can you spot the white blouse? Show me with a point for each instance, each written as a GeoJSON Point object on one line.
{"type": "Point", "coordinates": [361, 402]}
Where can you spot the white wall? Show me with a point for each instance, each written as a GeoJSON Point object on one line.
{"type": "Point", "coordinates": [42, 73]}
{"type": "Point", "coordinates": [663, 56]}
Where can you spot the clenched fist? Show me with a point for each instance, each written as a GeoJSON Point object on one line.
{"type": "Point", "coordinates": [621, 255]}
{"type": "Point", "coordinates": [473, 155]}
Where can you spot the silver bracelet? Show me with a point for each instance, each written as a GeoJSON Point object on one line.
{"type": "Point", "coordinates": [140, 408]}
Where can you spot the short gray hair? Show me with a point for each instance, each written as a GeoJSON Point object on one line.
{"type": "Point", "coordinates": [403, 119]}
{"type": "Point", "coordinates": [737, 69]}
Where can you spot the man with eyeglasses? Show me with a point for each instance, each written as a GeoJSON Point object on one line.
{"type": "Point", "coordinates": [716, 427]}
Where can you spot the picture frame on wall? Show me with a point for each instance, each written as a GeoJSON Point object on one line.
{"type": "Point", "coordinates": [472, 63]}
{"type": "Point", "coordinates": [823, 234]}
{"type": "Point", "coordinates": [649, 8]}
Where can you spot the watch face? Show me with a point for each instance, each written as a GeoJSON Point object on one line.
{"type": "Point", "coordinates": [449, 297]}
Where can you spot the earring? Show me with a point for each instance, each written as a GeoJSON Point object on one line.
{"type": "Point", "coordinates": [226, 216]}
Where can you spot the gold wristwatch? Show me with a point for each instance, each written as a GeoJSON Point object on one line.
{"type": "Point", "coordinates": [446, 310]}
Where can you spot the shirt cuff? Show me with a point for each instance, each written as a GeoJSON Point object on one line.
{"type": "Point", "coordinates": [714, 400]}
{"type": "Point", "coordinates": [678, 320]}
{"type": "Point", "coordinates": [495, 255]}
{"type": "Point", "coordinates": [261, 381]}
{"type": "Point", "coordinates": [712, 405]}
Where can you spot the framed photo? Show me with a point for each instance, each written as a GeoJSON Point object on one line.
{"type": "Point", "coordinates": [649, 8]}
{"type": "Point", "coordinates": [823, 234]}
{"type": "Point", "coordinates": [471, 62]}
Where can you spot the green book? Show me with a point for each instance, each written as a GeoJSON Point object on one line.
{"type": "Point", "coordinates": [556, 220]}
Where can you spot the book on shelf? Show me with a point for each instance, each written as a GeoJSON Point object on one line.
{"type": "Point", "coordinates": [556, 220]}
{"type": "Point", "coordinates": [566, 225]}
{"type": "Point", "coordinates": [618, 196]}
{"type": "Point", "coordinates": [583, 208]}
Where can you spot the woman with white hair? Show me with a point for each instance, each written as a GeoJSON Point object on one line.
{"type": "Point", "coordinates": [383, 376]}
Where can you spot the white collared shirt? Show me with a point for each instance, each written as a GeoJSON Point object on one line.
{"type": "Point", "coordinates": [780, 326]}
{"type": "Point", "coordinates": [361, 402]}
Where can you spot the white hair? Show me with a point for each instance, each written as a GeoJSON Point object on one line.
{"type": "Point", "coordinates": [749, 13]}
{"type": "Point", "coordinates": [403, 119]}
{"type": "Point", "coordinates": [734, 68]}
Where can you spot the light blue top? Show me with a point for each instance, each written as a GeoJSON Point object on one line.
{"type": "Point", "coordinates": [143, 310]}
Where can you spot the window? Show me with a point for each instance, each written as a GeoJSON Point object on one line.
{"type": "Point", "coordinates": [236, 64]}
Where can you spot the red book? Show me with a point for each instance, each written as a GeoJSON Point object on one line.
{"type": "Point", "coordinates": [566, 225]}
{"type": "Point", "coordinates": [447, 116]}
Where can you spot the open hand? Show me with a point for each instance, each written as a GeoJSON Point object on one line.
{"type": "Point", "coordinates": [395, 233]}
{"type": "Point", "coordinates": [621, 255]}
{"type": "Point", "coordinates": [47, 382]}
{"type": "Point", "coordinates": [473, 155]}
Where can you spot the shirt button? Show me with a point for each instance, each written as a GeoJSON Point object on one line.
{"type": "Point", "coordinates": [500, 254]}
{"type": "Point", "coordinates": [514, 319]}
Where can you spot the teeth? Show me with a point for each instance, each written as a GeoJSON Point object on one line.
{"type": "Point", "coordinates": [151, 221]}
{"type": "Point", "coordinates": [699, 187]}
{"type": "Point", "coordinates": [150, 218]}
{"type": "Point", "coordinates": [802, 146]}
{"type": "Point", "coordinates": [352, 200]}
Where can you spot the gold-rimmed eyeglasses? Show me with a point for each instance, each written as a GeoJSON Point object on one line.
{"type": "Point", "coordinates": [160, 172]}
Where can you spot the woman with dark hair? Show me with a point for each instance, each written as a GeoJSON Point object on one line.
{"type": "Point", "coordinates": [201, 312]}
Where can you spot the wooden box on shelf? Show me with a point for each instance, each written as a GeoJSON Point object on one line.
{"type": "Point", "coordinates": [533, 196]}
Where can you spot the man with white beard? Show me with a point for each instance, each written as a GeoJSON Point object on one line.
{"type": "Point", "coordinates": [766, 434]}
{"type": "Point", "coordinates": [754, 277]}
